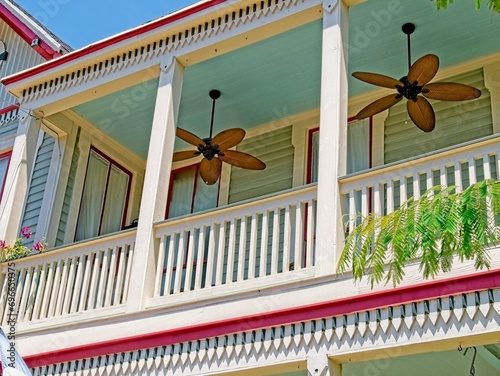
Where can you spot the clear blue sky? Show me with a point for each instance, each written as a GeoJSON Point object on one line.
{"type": "Point", "coordinates": [82, 22]}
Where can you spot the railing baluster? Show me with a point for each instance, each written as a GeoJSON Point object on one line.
{"type": "Point", "coordinates": [252, 252]}
{"type": "Point", "coordinates": [116, 298]}
{"type": "Point", "coordinates": [457, 170]}
{"type": "Point", "coordinates": [102, 278]}
{"type": "Point", "coordinates": [130, 260]}
{"type": "Point", "coordinates": [310, 234]}
{"type": "Point", "coordinates": [352, 209]}
{"type": "Point", "coordinates": [220, 253]}
{"type": "Point", "coordinates": [364, 201]}
{"type": "Point", "coordinates": [200, 259]}
{"type": "Point", "coordinates": [77, 289]}
{"type": "Point", "coordinates": [56, 290]}
{"type": "Point", "coordinates": [275, 241]}
{"type": "Point", "coordinates": [86, 282]}
{"type": "Point", "coordinates": [32, 294]}
{"type": "Point", "coordinates": [38, 298]}
{"type": "Point", "coordinates": [390, 196]}
{"type": "Point", "coordinates": [211, 256]}
{"type": "Point", "coordinates": [69, 287]}
{"type": "Point", "coordinates": [299, 236]}
{"type": "Point", "coordinates": [26, 287]}
{"type": "Point", "coordinates": [169, 273]}
{"type": "Point", "coordinates": [94, 283]}
{"type": "Point", "coordinates": [180, 262]}
{"type": "Point", "coordinates": [231, 250]}
{"type": "Point", "coordinates": [189, 260]}
{"type": "Point", "coordinates": [160, 266]}
{"type": "Point", "coordinates": [110, 277]}
{"type": "Point", "coordinates": [264, 244]}
{"type": "Point", "coordinates": [472, 171]}
{"type": "Point", "coordinates": [240, 272]}
{"type": "Point", "coordinates": [286, 240]}
{"type": "Point", "coordinates": [416, 185]}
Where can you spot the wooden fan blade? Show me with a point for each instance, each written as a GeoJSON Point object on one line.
{"type": "Point", "coordinates": [186, 154]}
{"type": "Point", "coordinates": [422, 114]}
{"type": "Point", "coordinates": [189, 137]}
{"type": "Point", "coordinates": [450, 91]}
{"type": "Point", "coordinates": [210, 170]}
{"type": "Point", "coordinates": [377, 79]}
{"type": "Point", "coordinates": [229, 138]}
{"type": "Point", "coordinates": [379, 105]}
{"type": "Point", "coordinates": [424, 69]}
{"type": "Point", "coordinates": [243, 160]}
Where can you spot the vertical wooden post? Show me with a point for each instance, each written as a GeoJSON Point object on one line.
{"type": "Point", "coordinates": [332, 136]}
{"type": "Point", "coordinates": [17, 179]}
{"type": "Point", "coordinates": [156, 181]}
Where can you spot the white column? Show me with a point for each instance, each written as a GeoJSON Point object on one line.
{"type": "Point", "coordinates": [321, 365]}
{"type": "Point", "coordinates": [492, 83]}
{"type": "Point", "coordinates": [156, 181]}
{"type": "Point", "coordinates": [332, 135]}
{"type": "Point", "coordinates": [17, 179]}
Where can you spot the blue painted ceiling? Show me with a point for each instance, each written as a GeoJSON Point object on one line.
{"type": "Point", "coordinates": [280, 76]}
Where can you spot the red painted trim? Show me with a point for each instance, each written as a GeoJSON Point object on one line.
{"type": "Point", "coordinates": [390, 297]}
{"type": "Point", "coordinates": [8, 155]}
{"type": "Point", "coordinates": [110, 41]}
{"type": "Point", "coordinates": [27, 34]}
{"type": "Point", "coordinates": [10, 108]}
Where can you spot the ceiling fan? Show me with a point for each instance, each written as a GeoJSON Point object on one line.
{"type": "Point", "coordinates": [215, 150]}
{"type": "Point", "coordinates": [416, 82]}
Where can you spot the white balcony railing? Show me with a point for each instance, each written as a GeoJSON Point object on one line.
{"type": "Point", "coordinates": [382, 190]}
{"type": "Point", "coordinates": [81, 277]}
{"type": "Point", "coordinates": [255, 240]}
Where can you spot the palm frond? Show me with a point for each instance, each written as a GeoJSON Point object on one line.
{"type": "Point", "coordinates": [434, 229]}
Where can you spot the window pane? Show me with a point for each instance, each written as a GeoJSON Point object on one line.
{"type": "Point", "coordinates": [92, 199]}
{"type": "Point", "coordinates": [182, 193]}
{"type": "Point", "coordinates": [358, 145]}
{"type": "Point", "coordinates": [114, 204]}
{"type": "Point", "coordinates": [206, 195]}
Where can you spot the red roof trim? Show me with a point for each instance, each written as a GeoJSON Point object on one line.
{"type": "Point", "coordinates": [10, 108]}
{"type": "Point", "coordinates": [109, 42]}
{"type": "Point", "coordinates": [27, 34]}
{"type": "Point", "coordinates": [393, 296]}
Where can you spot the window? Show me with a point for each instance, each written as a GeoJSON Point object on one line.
{"type": "Point", "coordinates": [358, 148]}
{"type": "Point", "coordinates": [104, 199]}
{"type": "Point", "coordinates": [189, 194]}
{"type": "Point", "coordinates": [4, 166]}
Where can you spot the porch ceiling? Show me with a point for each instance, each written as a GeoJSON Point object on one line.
{"type": "Point", "coordinates": [280, 76]}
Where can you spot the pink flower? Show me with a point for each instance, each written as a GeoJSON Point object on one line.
{"type": "Point", "coordinates": [38, 246]}
{"type": "Point", "coordinates": [26, 232]}
{"type": "Point", "coordinates": [3, 245]}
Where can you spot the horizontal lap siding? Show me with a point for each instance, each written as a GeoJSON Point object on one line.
{"type": "Point", "coordinates": [37, 185]}
{"type": "Point", "coordinates": [276, 151]}
{"type": "Point", "coordinates": [9, 123]}
{"type": "Point", "coordinates": [65, 211]}
{"type": "Point", "coordinates": [456, 122]}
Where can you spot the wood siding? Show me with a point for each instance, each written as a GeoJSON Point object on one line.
{"type": "Point", "coordinates": [37, 185]}
{"type": "Point", "coordinates": [275, 149]}
{"type": "Point", "coordinates": [456, 123]}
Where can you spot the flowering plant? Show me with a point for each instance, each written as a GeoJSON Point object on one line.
{"type": "Point", "coordinates": [18, 250]}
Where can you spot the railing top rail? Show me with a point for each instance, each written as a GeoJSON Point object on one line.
{"type": "Point", "coordinates": [224, 212]}
{"type": "Point", "coordinates": [406, 167]}
{"type": "Point", "coordinates": [69, 250]}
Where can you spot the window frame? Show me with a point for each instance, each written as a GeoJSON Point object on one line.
{"type": "Point", "coordinates": [8, 155]}
{"type": "Point", "coordinates": [310, 133]}
{"type": "Point", "coordinates": [112, 162]}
